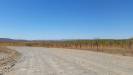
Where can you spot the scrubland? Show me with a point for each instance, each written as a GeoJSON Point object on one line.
{"type": "Point", "coordinates": [122, 46]}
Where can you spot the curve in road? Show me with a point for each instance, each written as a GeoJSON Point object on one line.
{"type": "Point", "coordinates": [54, 61]}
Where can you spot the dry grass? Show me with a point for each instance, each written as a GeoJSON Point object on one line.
{"type": "Point", "coordinates": [9, 60]}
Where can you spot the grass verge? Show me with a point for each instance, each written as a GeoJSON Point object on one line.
{"type": "Point", "coordinates": [8, 61]}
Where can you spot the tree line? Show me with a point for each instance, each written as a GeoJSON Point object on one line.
{"type": "Point", "coordinates": [103, 45]}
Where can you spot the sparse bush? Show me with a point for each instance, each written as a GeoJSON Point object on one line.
{"type": "Point", "coordinates": [102, 45]}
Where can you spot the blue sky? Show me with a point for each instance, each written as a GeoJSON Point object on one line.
{"type": "Point", "coordinates": [66, 19]}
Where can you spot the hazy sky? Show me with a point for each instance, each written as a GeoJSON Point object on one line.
{"type": "Point", "coordinates": [66, 19]}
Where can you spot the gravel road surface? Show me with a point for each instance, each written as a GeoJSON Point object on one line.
{"type": "Point", "coordinates": [3, 55]}
{"type": "Point", "coordinates": [54, 61]}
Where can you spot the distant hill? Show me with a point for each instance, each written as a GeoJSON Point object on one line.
{"type": "Point", "coordinates": [11, 40]}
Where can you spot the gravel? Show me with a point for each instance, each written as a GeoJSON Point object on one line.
{"type": "Point", "coordinates": [54, 61]}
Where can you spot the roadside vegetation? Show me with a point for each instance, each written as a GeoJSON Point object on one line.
{"type": "Point", "coordinates": [9, 60]}
{"type": "Point", "coordinates": [122, 46]}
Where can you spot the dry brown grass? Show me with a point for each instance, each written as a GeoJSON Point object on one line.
{"type": "Point", "coordinates": [8, 61]}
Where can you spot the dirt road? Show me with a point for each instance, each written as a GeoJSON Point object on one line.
{"type": "Point", "coordinates": [53, 61]}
